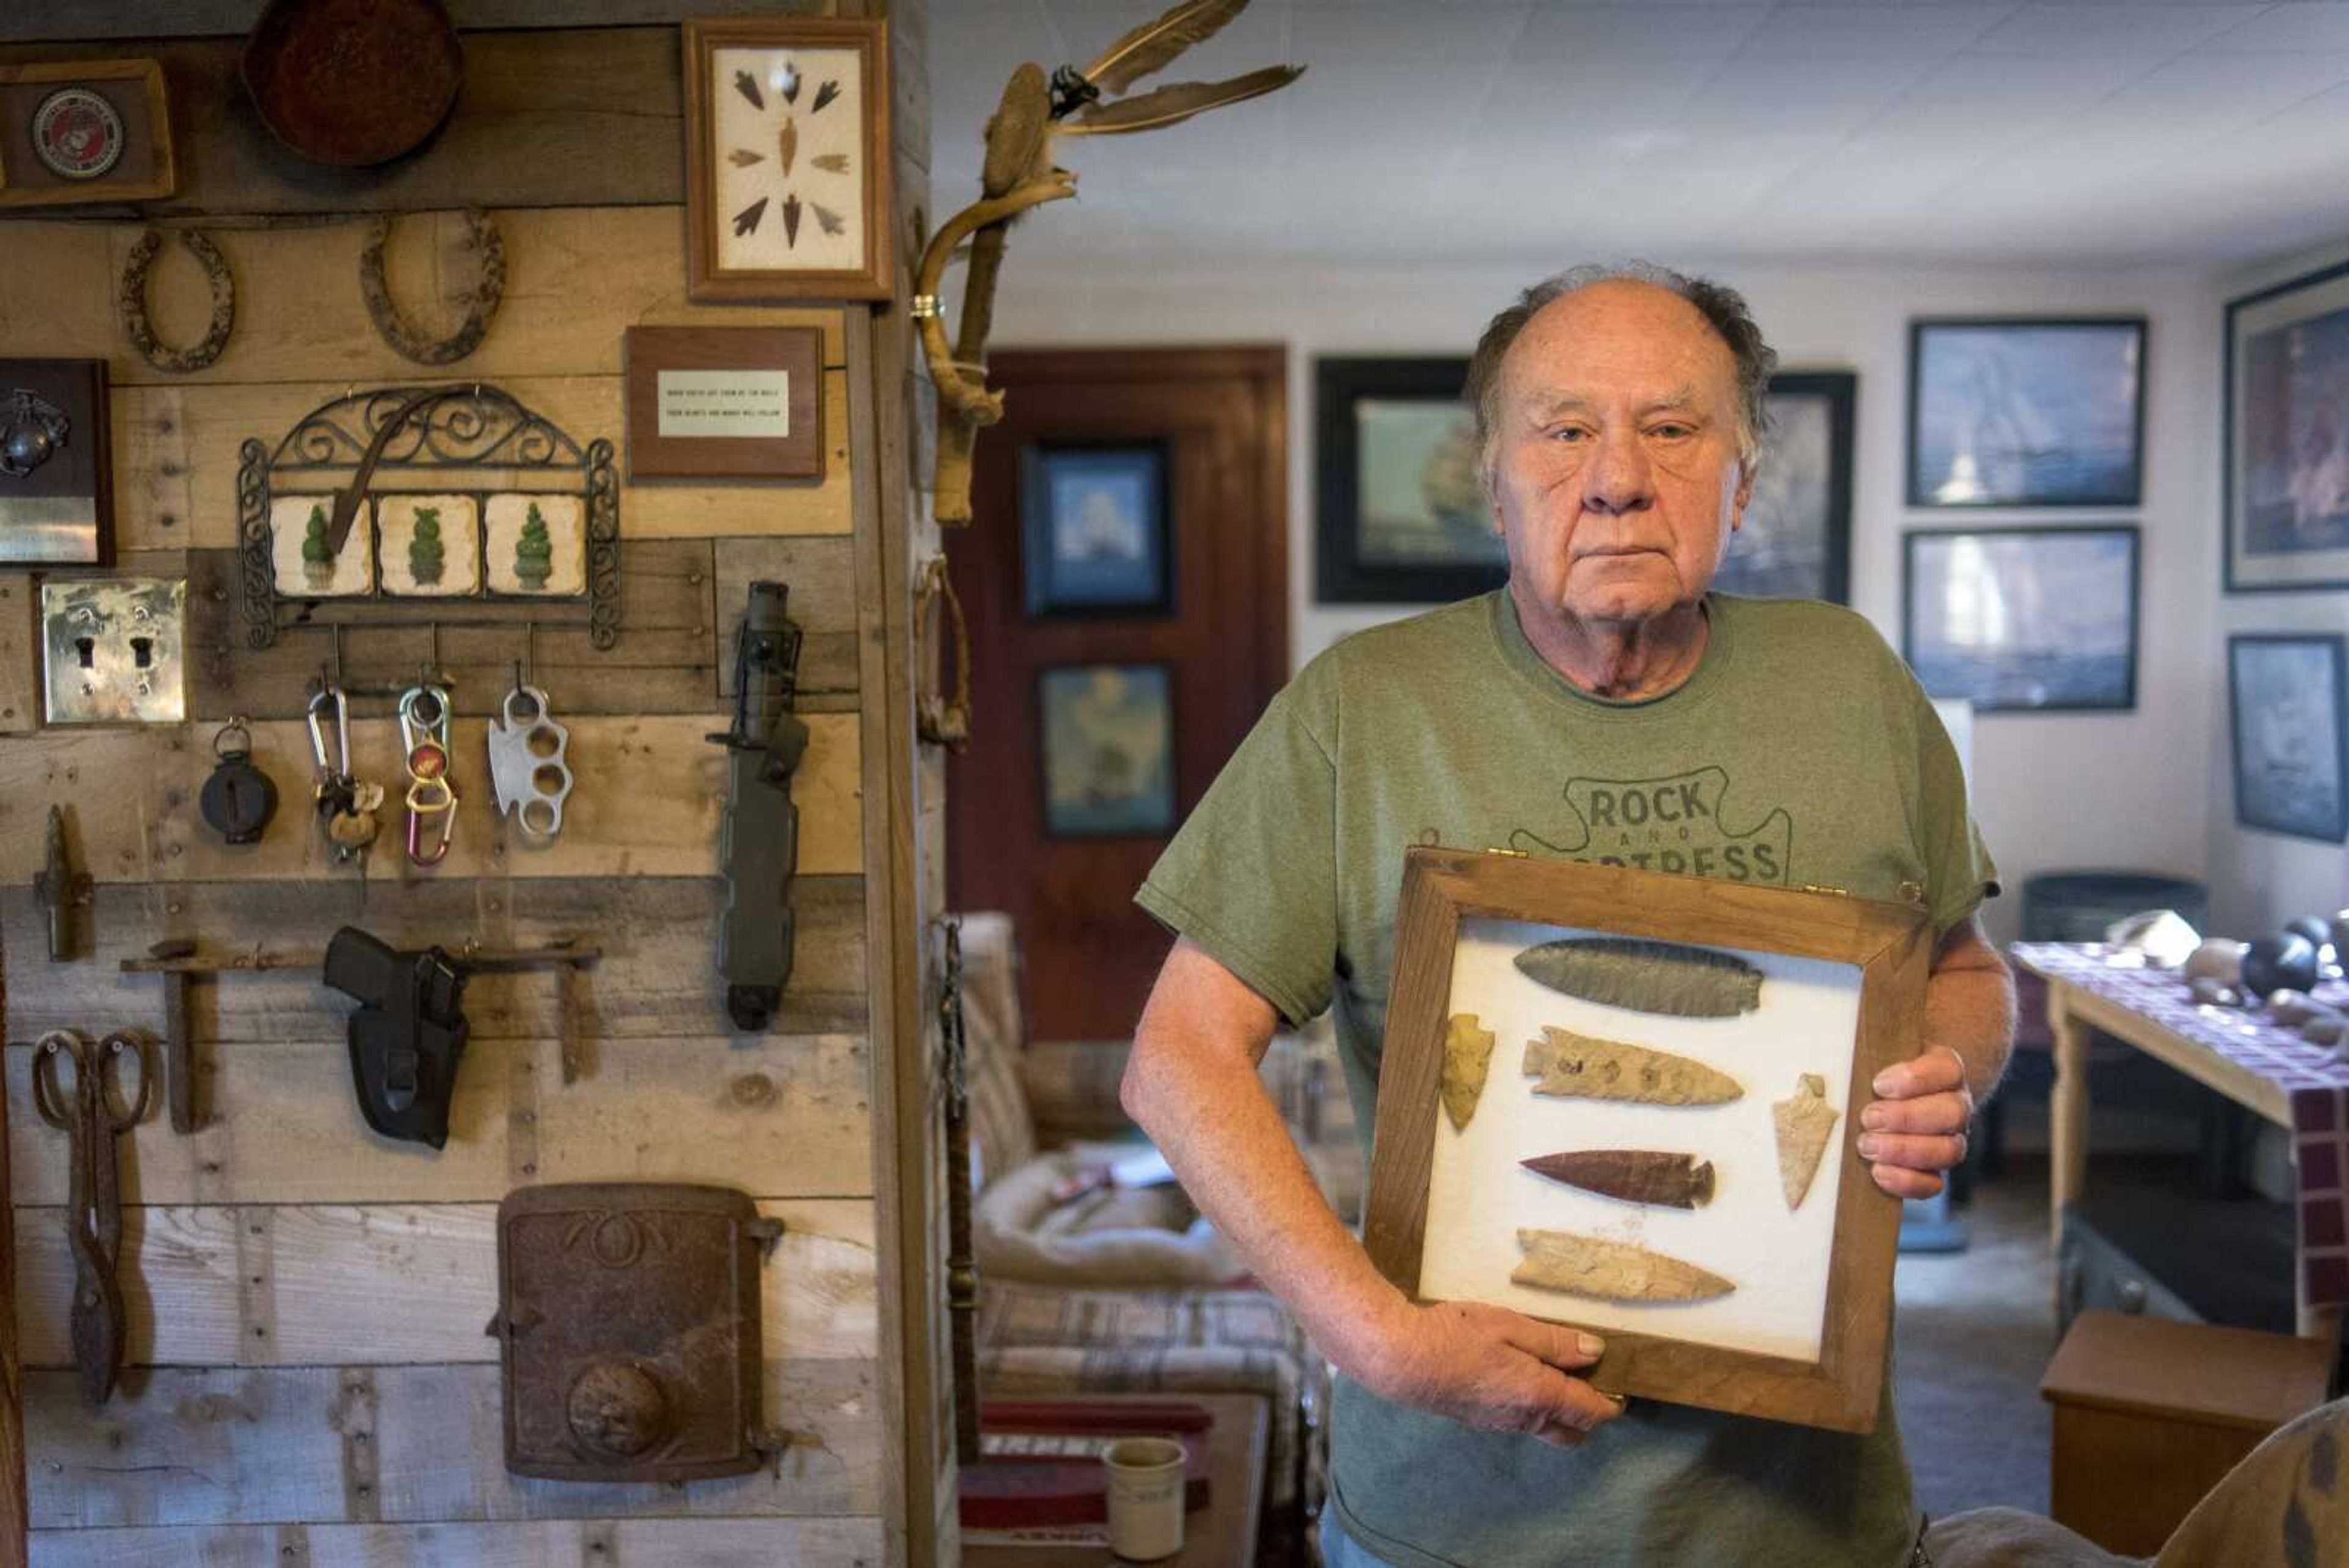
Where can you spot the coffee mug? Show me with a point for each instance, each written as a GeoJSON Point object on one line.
{"type": "Point", "coordinates": [1145, 1498]}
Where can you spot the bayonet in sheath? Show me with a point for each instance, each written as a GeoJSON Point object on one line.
{"type": "Point", "coordinates": [60, 889]}
{"type": "Point", "coordinates": [1633, 1174]}
{"type": "Point", "coordinates": [758, 840]}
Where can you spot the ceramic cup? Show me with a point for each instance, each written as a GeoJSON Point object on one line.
{"type": "Point", "coordinates": [1145, 1498]}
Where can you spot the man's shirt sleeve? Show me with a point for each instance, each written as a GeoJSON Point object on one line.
{"type": "Point", "coordinates": [1252, 877]}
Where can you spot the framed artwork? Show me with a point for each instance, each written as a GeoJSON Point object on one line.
{"type": "Point", "coordinates": [83, 130]}
{"type": "Point", "coordinates": [2023, 619]}
{"type": "Point", "coordinates": [2287, 436]}
{"type": "Point", "coordinates": [56, 470]}
{"type": "Point", "coordinates": [1093, 537]}
{"type": "Point", "coordinates": [723, 403]}
{"type": "Point", "coordinates": [1626, 1100]}
{"type": "Point", "coordinates": [787, 158]}
{"type": "Point", "coordinates": [2289, 718]}
{"type": "Point", "coordinates": [1108, 734]}
{"type": "Point", "coordinates": [1796, 540]}
{"type": "Point", "coordinates": [1402, 517]}
{"type": "Point", "coordinates": [2030, 412]}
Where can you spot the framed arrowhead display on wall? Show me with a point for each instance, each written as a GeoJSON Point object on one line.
{"type": "Point", "coordinates": [1623, 1100]}
{"type": "Point", "coordinates": [787, 158]}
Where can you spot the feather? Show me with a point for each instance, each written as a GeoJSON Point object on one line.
{"type": "Point", "coordinates": [1176, 102]}
{"type": "Point", "coordinates": [1156, 44]}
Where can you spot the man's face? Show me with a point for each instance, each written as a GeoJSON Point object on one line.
{"type": "Point", "coordinates": [1616, 475]}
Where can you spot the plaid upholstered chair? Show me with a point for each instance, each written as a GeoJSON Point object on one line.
{"type": "Point", "coordinates": [1117, 1290]}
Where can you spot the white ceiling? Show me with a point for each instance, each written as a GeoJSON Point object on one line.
{"type": "Point", "coordinates": [1469, 133]}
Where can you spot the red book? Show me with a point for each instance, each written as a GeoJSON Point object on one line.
{"type": "Point", "coordinates": [1040, 1460]}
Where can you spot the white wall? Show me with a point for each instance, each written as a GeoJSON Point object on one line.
{"type": "Point", "coordinates": [2053, 790]}
{"type": "Point", "coordinates": [2258, 879]}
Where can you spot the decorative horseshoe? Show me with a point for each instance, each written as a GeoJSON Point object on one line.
{"type": "Point", "coordinates": [130, 302]}
{"type": "Point", "coordinates": [481, 304]}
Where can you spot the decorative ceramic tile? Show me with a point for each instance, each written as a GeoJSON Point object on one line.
{"type": "Point", "coordinates": [431, 545]}
{"type": "Point", "coordinates": [297, 546]}
{"type": "Point", "coordinates": [537, 544]}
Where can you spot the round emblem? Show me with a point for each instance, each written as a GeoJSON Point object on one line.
{"type": "Point", "coordinates": [78, 133]}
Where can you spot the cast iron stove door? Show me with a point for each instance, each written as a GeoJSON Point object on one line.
{"type": "Point", "coordinates": [628, 1327]}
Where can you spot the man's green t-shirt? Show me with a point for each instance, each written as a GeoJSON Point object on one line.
{"type": "Point", "coordinates": [1800, 751]}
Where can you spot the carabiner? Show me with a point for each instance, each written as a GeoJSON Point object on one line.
{"type": "Point", "coordinates": [331, 697]}
{"type": "Point", "coordinates": [447, 815]}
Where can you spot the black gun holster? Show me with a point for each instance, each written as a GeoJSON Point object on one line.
{"type": "Point", "coordinates": [406, 1037]}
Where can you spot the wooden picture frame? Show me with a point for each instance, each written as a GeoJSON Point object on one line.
{"type": "Point", "coordinates": [732, 404]}
{"type": "Point", "coordinates": [1890, 946]}
{"type": "Point", "coordinates": [142, 169]}
{"type": "Point", "coordinates": [821, 188]}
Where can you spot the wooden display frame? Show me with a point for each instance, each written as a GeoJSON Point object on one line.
{"type": "Point", "coordinates": [707, 279]}
{"type": "Point", "coordinates": [647, 353]}
{"type": "Point", "coordinates": [1892, 947]}
{"type": "Point", "coordinates": [26, 183]}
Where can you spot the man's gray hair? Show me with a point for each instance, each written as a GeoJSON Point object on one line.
{"type": "Point", "coordinates": [1723, 307]}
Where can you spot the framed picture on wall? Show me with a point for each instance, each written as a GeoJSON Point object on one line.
{"type": "Point", "coordinates": [787, 158]}
{"type": "Point", "coordinates": [75, 131]}
{"type": "Point", "coordinates": [1108, 750]}
{"type": "Point", "coordinates": [1093, 537]}
{"type": "Point", "coordinates": [1796, 539]}
{"type": "Point", "coordinates": [1400, 513]}
{"type": "Point", "coordinates": [1626, 1100]}
{"type": "Point", "coordinates": [2037, 621]}
{"type": "Point", "coordinates": [2026, 412]}
{"type": "Point", "coordinates": [56, 471]}
{"type": "Point", "coordinates": [2288, 710]}
{"type": "Point", "coordinates": [2287, 436]}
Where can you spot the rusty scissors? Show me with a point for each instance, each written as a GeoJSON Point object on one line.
{"type": "Point", "coordinates": [91, 1112]}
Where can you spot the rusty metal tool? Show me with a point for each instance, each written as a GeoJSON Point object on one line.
{"type": "Point", "coordinates": [179, 1037]}
{"type": "Point", "coordinates": [61, 889]}
{"type": "Point", "coordinates": [92, 1114]}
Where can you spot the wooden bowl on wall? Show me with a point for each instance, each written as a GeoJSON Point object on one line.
{"type": "Point", "coordinates": [353, 82]}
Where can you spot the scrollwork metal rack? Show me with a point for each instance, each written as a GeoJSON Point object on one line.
{"type": "Point", "coordinates": [428, 435]}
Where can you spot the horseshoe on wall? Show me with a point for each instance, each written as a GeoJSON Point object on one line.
{"type": "Point", "coordinates": [130, 302]}
{"type": "Point", "coordinates": [481, 304]}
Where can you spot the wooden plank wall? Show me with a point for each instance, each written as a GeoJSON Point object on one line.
{"type": "Point", "coordinates": [308, 1380]}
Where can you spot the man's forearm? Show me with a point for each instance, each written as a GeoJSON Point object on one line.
{"type": "Point", "coordinates": [1970, 1008]}
{"type": "Point", "coordinates": [1209, 1113]}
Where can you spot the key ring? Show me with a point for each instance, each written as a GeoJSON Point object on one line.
{"type": "Point", "coordinates": [237, 726]}
{"type": "Point", "coordinates": [424, 731]}
{"type": "Point", "coordinates": [326, 698]}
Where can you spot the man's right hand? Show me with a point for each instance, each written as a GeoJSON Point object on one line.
{"type": "Point", "coordinates": [1489, 1367]}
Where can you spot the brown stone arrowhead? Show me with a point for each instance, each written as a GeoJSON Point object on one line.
{"type": "Point", "coordinates": [1610, 1271]}
{"type": "Point", "coordinates": [1633, 1174]}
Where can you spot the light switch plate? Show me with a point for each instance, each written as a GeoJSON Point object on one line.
{"type": "Point", "coordinates": [112, 651]}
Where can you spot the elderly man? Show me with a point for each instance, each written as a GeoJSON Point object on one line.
{"type": "Point", "coordinates": [1604, 706]}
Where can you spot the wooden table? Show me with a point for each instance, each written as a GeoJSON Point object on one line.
{"type": "Point", "coordinates": [2301, 1088]}
{"type": "Point", "coordinates": [1220, 1535]}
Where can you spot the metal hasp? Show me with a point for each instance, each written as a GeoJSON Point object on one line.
{"type": "Point", "coordinates": [628, 1333]}
{"type": "Point", "coordinates": [60, 889]}
{"type": "Point", "coordinates": [759, 843]}
{"type": "Point", "coordinates": [92, 1111]}
{"type": "Point", "coordinates": [407, 1037]}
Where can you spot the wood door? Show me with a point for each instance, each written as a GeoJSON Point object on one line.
{"type": "Point", "coordinates": [1217, 419]}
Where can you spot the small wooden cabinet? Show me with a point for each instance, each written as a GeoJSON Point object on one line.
{"type": "Point", "coordinates": [2150, 1413]}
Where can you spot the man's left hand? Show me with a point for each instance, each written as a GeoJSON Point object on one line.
{"type": "Point", "coordinates": [1916, 1126]}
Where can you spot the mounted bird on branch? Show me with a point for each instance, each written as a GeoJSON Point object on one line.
{"type": "Point", "coordinates": [1020, 174]}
